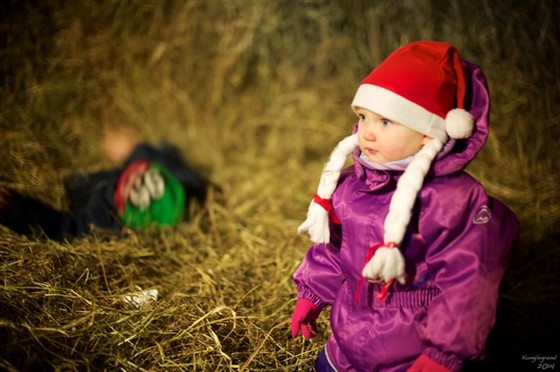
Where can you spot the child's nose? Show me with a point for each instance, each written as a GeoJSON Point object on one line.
{"type": "Point", "coordinates": [369, 132]}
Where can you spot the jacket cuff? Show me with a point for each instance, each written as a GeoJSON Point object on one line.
{"type": "Point", "coordinates": [449, 361]}
{"type": "Point", "coordinates": [425, 364]}
{"type": "Point", "coordinates": [307, 294]}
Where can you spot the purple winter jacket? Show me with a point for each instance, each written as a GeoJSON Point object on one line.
{"type": "Point", "coordinates": [455, 249]}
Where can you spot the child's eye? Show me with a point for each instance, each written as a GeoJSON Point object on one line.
{"type": "Point", "coordinates": [386, 122]}
{"type": "Point", "coordinates": [362, 117]}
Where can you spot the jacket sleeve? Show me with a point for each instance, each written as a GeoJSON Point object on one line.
{"type": "Point", "coordinates": [319, 276]}
{"type": "Point", "coordinates": [27, 215]}
{"type": "Point", "coordinates": [470, 236]}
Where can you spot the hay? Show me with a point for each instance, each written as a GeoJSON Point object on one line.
{"type": "Point", "coordinates": [255, 94]}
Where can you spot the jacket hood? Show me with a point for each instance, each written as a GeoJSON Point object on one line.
{"type": "Point", "coordinates": [457, 154]}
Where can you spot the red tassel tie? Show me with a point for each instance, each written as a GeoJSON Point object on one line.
{"type": "Point", "coordinates": [121, 191]}
{"type": "Point", "coordinates": [383, 293]}
{"type": "Point", "coordinates": [327, 205]}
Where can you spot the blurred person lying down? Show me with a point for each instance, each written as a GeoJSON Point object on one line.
{"type": "Point", "coordinates": [152, 187]}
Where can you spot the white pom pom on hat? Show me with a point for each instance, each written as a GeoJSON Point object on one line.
{"type": "Point", "coordinates": [421, 85]}
{"type": "Point", "coordinates": [459, 123]}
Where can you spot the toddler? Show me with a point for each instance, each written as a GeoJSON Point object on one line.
{"type": "Point", "coordinates": [409, 249]}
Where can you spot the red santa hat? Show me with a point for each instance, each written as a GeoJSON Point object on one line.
{"type": "Point", "coordinates": [421, 85]}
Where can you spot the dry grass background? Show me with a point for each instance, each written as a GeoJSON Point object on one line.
{"type": "Point", "coordinates": [256, 94]}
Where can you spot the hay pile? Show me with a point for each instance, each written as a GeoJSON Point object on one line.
{"type": "Point", "coordinates": [255, 94]}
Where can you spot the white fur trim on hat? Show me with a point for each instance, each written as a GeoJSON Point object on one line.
{"type": "Point", "coordinates": [399, 109]}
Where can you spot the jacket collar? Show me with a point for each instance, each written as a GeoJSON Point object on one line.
{"type": "Point", "coordinates": [374, 179]}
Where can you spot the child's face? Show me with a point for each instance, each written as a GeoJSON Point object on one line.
{"type": "Point", "coordinates": [383, 140]}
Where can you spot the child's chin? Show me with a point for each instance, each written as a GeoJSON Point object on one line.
{"type": "Point", "coordinates": [374, 158]}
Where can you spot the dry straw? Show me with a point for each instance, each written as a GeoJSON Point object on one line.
{"type": "Point", "coordinates": [255, 94]}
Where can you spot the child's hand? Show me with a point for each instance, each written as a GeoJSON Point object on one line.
{"type": "Point", "coordinates": [304, 319]}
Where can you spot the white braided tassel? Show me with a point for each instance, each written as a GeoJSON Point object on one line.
{"type": "Point", "coordinates": [410, 183]}
{"type": "Point", "coordinates": [388, 263]}
{"type": "Point", "coordinates": [317, 222]}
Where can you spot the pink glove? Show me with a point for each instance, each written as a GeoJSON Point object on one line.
{"type": "Point", "coordinates": [426, 364]}
{"type": "Point", "coordinates": [304, 317]}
